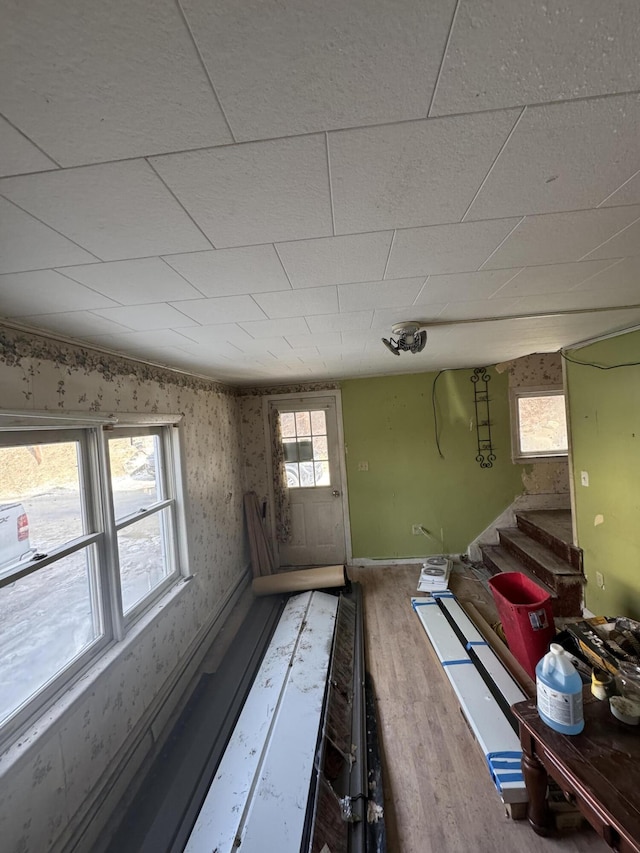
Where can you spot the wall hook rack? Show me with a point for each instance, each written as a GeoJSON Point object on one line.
{"type": "Point", "coordinates": [480, 380]}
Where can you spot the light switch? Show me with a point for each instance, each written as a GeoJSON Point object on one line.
{"type": "Point", "coordinates": [584, 478]}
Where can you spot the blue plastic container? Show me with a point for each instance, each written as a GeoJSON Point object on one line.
{"type": "Point", "coordinates": [559, 692]}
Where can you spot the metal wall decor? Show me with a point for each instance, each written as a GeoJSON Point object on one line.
{"type": "Point", "coordinates": [480, 379]}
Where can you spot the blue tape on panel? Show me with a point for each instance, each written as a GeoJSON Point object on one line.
{"type": "Point", "coordinates": [476, 643]}
{"type": "Point", "coordinates": [415, 604]}
{"type": "Point", "coordinates": [446, 594]}
{"type": "Point", "coordinates": [456, 662]}
{"type": "Point", "coordinates": [509, 761]}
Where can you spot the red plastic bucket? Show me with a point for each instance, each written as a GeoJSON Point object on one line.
{"type": "Point", "coordinates": [526, 616]}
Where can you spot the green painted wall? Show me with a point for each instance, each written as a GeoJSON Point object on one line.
{"type": "Point", "coordinates": [388, 424]}
{"type": "Point", "coordinates": [604, 408]}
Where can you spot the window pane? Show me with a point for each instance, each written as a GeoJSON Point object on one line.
{"type": "Point", "coordinates": [290, 450]}
{"type": "Point", "coordinates": [293, 475]}
{"type": "Point", "coordinates": [48, 618]}
{"type": "Point", "coordinates": [134, 466]}
{"type": "Point", "coordinates": [40, 504]}
{"type": "Point", "coordinates": [307, 478]}
{"type": "Point", "coordinates": [318, 423]}
{"type": "Point", "coordinates": [303, 423]}
{"type": "Point", "coordinates": [143, 556]}
{"type": "Point", "coordinates": [542, 424]}
{"type": "Point", "coordinates": [320, 449]}
{"type": "Point", "coordinates": [287, 424]}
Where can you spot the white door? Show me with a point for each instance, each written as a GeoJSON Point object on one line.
{"type": "Point", "coordinates": [313, 462]}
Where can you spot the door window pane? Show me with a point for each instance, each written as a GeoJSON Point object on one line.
{"type": "Point", "coordinates": [305, 448]}
{"type": "Point", "coordinates": [47, 619]}
{"type": "Point", "coordinates": [134, 473]}
{"type": "Point", "coordinates": [144, 562]}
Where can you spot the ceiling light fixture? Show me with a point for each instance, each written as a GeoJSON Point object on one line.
{"type": "Point", "coordinates": [409, 338]}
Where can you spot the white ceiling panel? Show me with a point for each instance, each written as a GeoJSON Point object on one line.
{"type": "Point", "coordinates": [210, 336]}
{"type": "Point", "coordinates": [463, 287]}
{"type": "Point", "coordinates": [618, 275]}
{"type": "Point", "coordinates": [28, 244]}
{"type": "Point", "coordinates": [504, 52]}
{"type": "Point", "coordinates": [49, 291]}
{"type": "Point", "coordinates": [77, 324]}
{"type": "Point", "coordinates": [296, 303]}
{"type": "Point", "coordinates": [230, 272]}
{"type": "Point", "coordinates": [325, 339]}
{"type": "Point", "coordinates": [115, 210]}
{"type": "Point", "coordinates": [551, 278]}
{"type": "Point", "coordinates": [577, 300]}
{"type": "Point", "coordinates": [417, 173]}
{"type": "Point", "coordinates": [627, 193]}
{"type": "Point", "coordinates": [481, 308]}
{"type": "Point", "coordinates": [341, 322]}
{"type": "Point", "coordinates": [286, 328]}
{"type": "Point", "coordinates": [283, 69]}
{"type": "Point", "coordinates": [18, 154]}
{"type": "Point", "coordinates": [140, 341]}
{"type": "Point", "coordinates": [551, 164]}
{"type": "Point", "coordinates": [277, 346]}
{"type": "Point", "coordinates": [462, 247]}
{"type": "Point", "coordinates": [560, 237]}
{"type": "Point", "coordinates": [255, 193]}
{"type": "Point", "coordinates": [222, 309]}
{"type": "Point", "coordinates": [142, 318]}
{"type": "Point", "coordinates": [627, 242]}
{"type": "Point", "coordinates": [379, 294]}
{"type": "Point", "coordinates": [336, 260]}
{"type": "Point", "coordinates": [104, 81]}
{"type": "Point", "coordinates": [384, 318]}
{"type": "Point", "coordinates": [134, 282]}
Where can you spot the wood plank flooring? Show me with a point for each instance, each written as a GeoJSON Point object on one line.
{"type": "Point", "coordinates": [438, 794]}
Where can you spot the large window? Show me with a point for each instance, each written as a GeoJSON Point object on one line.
{"type": "Point", "coordinates": [539, 423]}
{"type": "Point", "coordinates": [87, 542]}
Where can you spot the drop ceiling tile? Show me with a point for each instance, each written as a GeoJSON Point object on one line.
{"type": "Point", "coordinates": [134, 282]}
{"type": "Point", "coordinates": [286, 328]}
{"type": "Point", "coordinates": [503, 53]}
{"type": "Point", "coordinates": [384, 318]}
{"type": "Point", "coordinates": [140, 341]}
{"type": "Point", "coordinates": [353, 320]}
{"type": "Point", "coordinates": [298, 303]}
{"type": "Point", "coordinates": [211, 335]}
{"type": "Point", "coordinates": [379, 294]}
{"type": "Point", "coordinates": [480, 308]}
{"type": "Point", "coordinates": [415, 173]}
{"type": "Point", "coordinates": [560, 237]}
{"type": "Point", "coordinates": [551, 278]}
{"type": "Point", "coordinates": [627, 242]}
{"type": "Point", "coordinates": [618, 275]}
{"type": "Point", "coordinates": [19, 154]}
{"type": "Point", "coordinates": [563, 157]}
{"type": "Point", "coordinates": [230, 272]}
{"type": "Point", "coordinates": [277, 346]}
{"type": "Point", "coordinates": [326, 339]}
{"type": "Point", "coordinates": [281, 70]}
{"type": "Point", "coordinates": [627, 193]}
{"type": "Point", "coordinates": [45, 292]}
{"type": "Point", "coordinates": [107, 81]}
{"type": "Point", "coordinates": [256, 193]}
{"type": "Point", "coordinates": [142, 318]}
{"type": "Point", "coordinates": [463, 287]}
{"type": "Point", "coordinates": [115, 210]}
{"type": "Point", "coordinates": [30, 245]}
{"type": "Point", "coordinates": [577, 300]}
{"type": "Point", "coordinates": [222, 309]}
{"type": "Point", "coordinates": [78, 324]}
{"type": "Point", "coordinates": [336, 260]}
{"type": "Point", "coordinates": [462, 247]}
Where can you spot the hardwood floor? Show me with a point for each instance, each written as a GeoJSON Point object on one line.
{"type": "Point", "coordinates": [438, 794]}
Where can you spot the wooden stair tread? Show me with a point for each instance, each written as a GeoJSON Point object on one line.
{"type": "Point", "coordinates": [536, 552]}
{"type": "Point", "coordinates": [506, 562]}
{"type": "Point", "coordinates": [556, 522]}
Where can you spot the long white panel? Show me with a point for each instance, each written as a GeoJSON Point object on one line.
{"type": "Point", "coordinates": [493, 732]}
{"type": "Point", "coordinates": [270, 754]}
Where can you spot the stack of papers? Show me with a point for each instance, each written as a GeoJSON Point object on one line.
{"type": "Point", "coordinates": [434, 576]}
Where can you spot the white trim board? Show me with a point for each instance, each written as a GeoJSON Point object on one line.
{"type": "Point", "coordinates": [258, 797]}
{"type": "Point", "coordinates": [498, 741]}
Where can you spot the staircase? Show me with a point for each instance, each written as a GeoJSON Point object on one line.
{"type": "Point", "coordinates": [541, 547]}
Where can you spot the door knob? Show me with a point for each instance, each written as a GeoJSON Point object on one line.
{"type": "Point", "coordinates": [336, 493]}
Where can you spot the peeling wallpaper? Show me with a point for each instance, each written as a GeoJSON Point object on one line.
{"type": "Point", "coordinates": [53, 777]}
{"type": "Point", "coordinates": [549, 476]}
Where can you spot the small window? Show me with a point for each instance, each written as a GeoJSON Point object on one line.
{"type": "Point", "coordinates": [305, 449]}
{"type": "Point", "coordinates": [539, 423]}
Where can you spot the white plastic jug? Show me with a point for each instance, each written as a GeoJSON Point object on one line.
{"type": "Point", "coordinates": [559, 691]}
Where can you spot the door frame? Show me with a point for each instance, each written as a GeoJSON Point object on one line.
{"type": "Point", "coordinates": [301, 398]}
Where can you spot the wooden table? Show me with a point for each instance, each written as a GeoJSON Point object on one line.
{"type": "Point", "coordinates": [599, 768]}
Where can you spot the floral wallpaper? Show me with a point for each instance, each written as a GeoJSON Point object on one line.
{"type": "Point", "coordinates": [51, 777]}
{"type": "Point", "coordinates": [550, 476]}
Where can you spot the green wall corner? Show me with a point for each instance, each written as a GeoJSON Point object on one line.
{"type": "Point", "coordinates": [604, 409]}
{"type": "Point", "coordinates": [389, 426]}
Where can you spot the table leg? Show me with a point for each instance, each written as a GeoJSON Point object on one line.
{"type": "Point", "coordinates": [536, 780]}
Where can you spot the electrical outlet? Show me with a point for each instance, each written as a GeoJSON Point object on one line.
{"type": "Point", "coordinates": [584, 478]}
{"type": "Point", "coordinates": [600, 579]}
{"type": "Point", "coordinates": [363, 466]}
{"type": "Point", "coordinates": [416, 529]}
